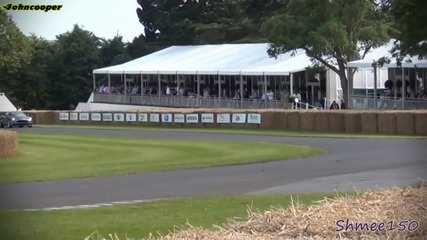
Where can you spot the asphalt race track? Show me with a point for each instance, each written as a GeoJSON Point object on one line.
{"type": "Point", "coordinates": [350, 163]}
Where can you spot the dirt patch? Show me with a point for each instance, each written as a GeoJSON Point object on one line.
{"type": "Point", "coordinates": [8, 143]}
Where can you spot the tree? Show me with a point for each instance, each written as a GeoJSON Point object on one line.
{"type": "Point", "coordinates": [409, 18]}
{"type": "Point", "coordinates": [332, 32]}
{"type": "Point", "coordinates": [15, 53]}
{"type": "Point", "coordinates": [187, 22]}
{"type": "Point", "coordinates": [77, 54]}
{"type": "Point", "coordinates": [32, 89]}
{"type": "Point", "coordinates": [113, 51]}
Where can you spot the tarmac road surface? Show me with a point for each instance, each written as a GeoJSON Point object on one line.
{"type": "Point", "coordinates": [350, 163]}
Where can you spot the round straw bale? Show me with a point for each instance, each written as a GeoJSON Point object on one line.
{"type": "Point", "coordinates": [369, 122]}
{"type": "Point", "coordinates": [8, 143]}
{"type": "Point", "coordinates": [387, 123]}
{"type": "Point", "coordinates": [307, 120]}
{"type": "Point", "coordinates": [293, 120]}
{"type": "Point", "coordinates": [321, 121]}
{"type": "Point", "coordinates": [421, 123]}
{"type": "Point", "coordinates": [405, 123]}
{"type": "Point", "coordinates": [336, 121]}
{"type": "Point", "coordinates": [352, 122]}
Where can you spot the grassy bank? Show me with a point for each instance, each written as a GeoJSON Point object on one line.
{"type": "Point", "coordinates": [53, 157]}
{"type": "Point", "coordinates": [136, 221]}
{"type": "Point", "coordinates": [260, 132]}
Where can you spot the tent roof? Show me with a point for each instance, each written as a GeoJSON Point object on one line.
{"type": "Point", "coordinates": [5, 104]}
{"type": "Point", "coordinates": [384, 51]}
{"type": "Point", "coordinates": [224, 59]}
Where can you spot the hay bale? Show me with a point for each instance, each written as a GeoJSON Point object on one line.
{"type": "Point", "coordinates": [421, 123]}
{"type": "Point", "coordinates": [307, 120]}
{"type": "Point", "coordinates": [293, 120]}
{"type": "Point", "coordinates": [405, 123]}
{"type": "Point", "coordinates": [282, 120]}
{"type": "Point", "coordinates": [387, 123]}
{"type": "Point", "coordinates": [267, 120]}
{"type": "Point", "coordinates": [369, 122]}
{"type": "Point", "coordinates": [8, 143]}
{"type": "Point", "coordinates": [352, 122]}
{"type": "Point", "coordinates": [321, 121]}
{"type": "Point", "coordinates": [336, 121]}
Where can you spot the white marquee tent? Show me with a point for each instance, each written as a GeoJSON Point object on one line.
{"type": "Point", "coordinates": [5, 104]}
{"type": "Point", "coordinates": [224, 59]}
{"type": "Point", "coordinates": [384, 51]}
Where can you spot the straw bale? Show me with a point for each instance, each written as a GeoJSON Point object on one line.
{"type": "Point", "coordinates": [369, 122]}
{"type": "Point", "coordinates": [320, 221]}
{"type": "Point", "coordinates": [267, 120]}
{"type": "Point", "coordinates": [293, 120]}
{"type": "Point", "coordinates": [405, 123]}
{"type": "Point", "coordinates": [421, 123]}
{"type": "Point", "coordinates": [282, 120]}
{"type": "Point", "coordinates": [336, 121]}
{"type": "Point", "coordinates": [51, 117]}
{"type": "Point", "coordinates": [8, 143]}
{"type": "Point", "coordinates": [352, 122]}
{"type": "Point", "coordinates": [387, 123]}
{"type": "Point", "coordinates": [307, 120]}
{"type": "Point", "coordinates": [321, 121]}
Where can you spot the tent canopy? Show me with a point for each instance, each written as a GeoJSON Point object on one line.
{"type": "Point", "coordinates": [5, 104]}
{"type": "Point", "coordinates": [384, 51]}
{"type": "Point", "coordinates": [224, 59]}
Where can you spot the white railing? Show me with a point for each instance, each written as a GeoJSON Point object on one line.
{"type": "Point", "coordinates": [179, 101]}
{"type": "Point", "coordinates": [387, 103]}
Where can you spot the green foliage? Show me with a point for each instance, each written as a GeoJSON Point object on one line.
{"type": "Point", "coordinates": [77, 54]}
{"type": "Point", "coordinates": [15, 53]}
{"type": "Point", "coordinates": [331, 32]}
{"type": "Point", "coordinates": [409, 16]}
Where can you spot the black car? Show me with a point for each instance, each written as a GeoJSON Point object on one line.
{"type": "Point", "coordinates": [12, 119]}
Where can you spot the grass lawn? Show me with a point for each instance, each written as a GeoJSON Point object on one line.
{"type": "Point", "coordinates": [261, 132]}
{"type": "Point", "coordinates": [136, 221]}
{"type": "Point", "coordinates": [52, 157]}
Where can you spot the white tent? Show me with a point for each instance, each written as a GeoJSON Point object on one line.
{"type": "Point", "coordinates": [5, 104]}
{"type": "Point", "coordinates": [384, 51]}
{"type": "Point", "coordinates": [224, 59]}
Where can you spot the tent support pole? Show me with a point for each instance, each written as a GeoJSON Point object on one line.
{"type": "Point", "coordinates": [125, 82]}
{"type": "Point", "coordinates": [159, 87]}
{"type": "Point", "coordinates": [198, 89]}
{"type": "Point", "coordinates": [109, 87]}
{"type": "Point", "coordinates": [141, 89]}
{"type": "Point", "coordinates": [375, 87]}
{"type": "Point", "coordinates": [241, 90]}
{"type": "Point", "coordinates": [395, 89]}
{"type": "Point", "coordinates": [219, 89]}
{"type": "Point", "coordinates": [291, 92]}
{"type": "Point", "coordinates": [94, 82]}
{"type": "Point", "coordinates": [265, 89]}
{"type": "Point", "coordinates": [403, 88]}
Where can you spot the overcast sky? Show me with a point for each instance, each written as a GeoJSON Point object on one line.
{"type": "Point", "coordinates": [102, 17]}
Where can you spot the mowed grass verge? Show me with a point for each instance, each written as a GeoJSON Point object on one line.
{"type": "Point", "coordinates": [137, 221]}
{"type": "Point", "coordinates": [52, 157]}
{"type": "Point", "coordinates": [255, 132]}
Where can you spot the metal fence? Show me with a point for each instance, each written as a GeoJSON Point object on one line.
{"type": "Point", "coordinates": [194, 102]}
{"type": "Point", "coordinates": [388, 103]}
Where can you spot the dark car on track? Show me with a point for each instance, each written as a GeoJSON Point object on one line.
{"type": "Point", "coordinates": [12, 119]}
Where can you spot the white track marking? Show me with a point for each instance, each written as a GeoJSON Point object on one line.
{"type": "Point", "coordinates": [97, 205]}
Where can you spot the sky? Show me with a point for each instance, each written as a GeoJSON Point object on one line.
{"type": "Point", "coordinates": [105, 18]}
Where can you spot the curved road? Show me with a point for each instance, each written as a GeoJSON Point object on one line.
{"type": "Point", "coordinates": [350, 163]}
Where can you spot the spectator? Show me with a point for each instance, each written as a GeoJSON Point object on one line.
{"type": "Point", "coordinates": [334, 105]}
